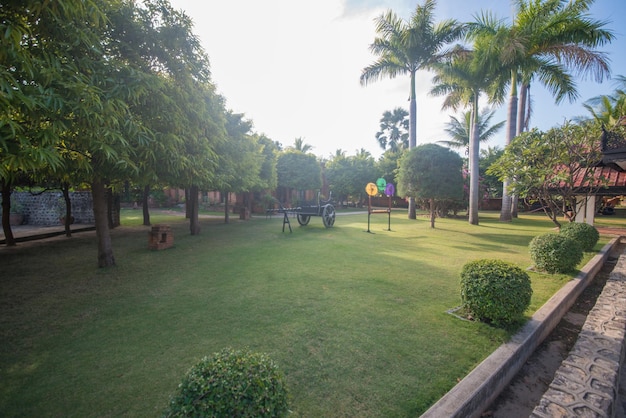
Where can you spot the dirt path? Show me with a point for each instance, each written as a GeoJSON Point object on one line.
{"type": "Point", "coordinates": [520, 397]}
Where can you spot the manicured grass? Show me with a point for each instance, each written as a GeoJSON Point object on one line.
{"type": "Point", "coordinates": [617, 220]}
{"type": "Point", "coordinates": [356, 321]}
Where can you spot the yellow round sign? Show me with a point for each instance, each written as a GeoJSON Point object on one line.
{"type": "Point", "coordinates": [371, 189]}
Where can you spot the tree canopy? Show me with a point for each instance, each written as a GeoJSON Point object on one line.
{"type": "Point", "coordinates": [113, 92]}
{"type": "Point", "coordinates": [432, 173]}
{"type": "Point", "coordinates": [553, 168]}
{"type": "Point", "coordinates": [407, 46]}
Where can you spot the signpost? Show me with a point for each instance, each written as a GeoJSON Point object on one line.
{"type": "Point", "coordinates": [372, 189]}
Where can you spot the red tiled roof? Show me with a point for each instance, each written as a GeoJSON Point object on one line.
{"type": "Point", "coordinates": [614, 177]}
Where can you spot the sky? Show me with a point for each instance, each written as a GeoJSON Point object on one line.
{"type": "Point", "coordinates": [293, 67]}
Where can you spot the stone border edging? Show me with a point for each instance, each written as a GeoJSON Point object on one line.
{"type": "Point", "coordinates": [587, 382]}
{"type": "Point", "coordinates": [475, 393]}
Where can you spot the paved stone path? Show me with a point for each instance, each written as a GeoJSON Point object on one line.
{"type": "Point", "coordinates": [587, 383]}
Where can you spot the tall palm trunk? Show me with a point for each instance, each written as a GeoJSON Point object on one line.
{"type": "Point", "coordinates": [412, 136]}
{"type": "Point", "coordinates": [522, 116]}
{"type": "Point", "coordinates": [473, 161]}
{"type": "Point", "coordinates": [521, 127]}
{"type": "Point", "coordinates": [103, 234]}
{"type": "Point", "coordinates": [505, 212]}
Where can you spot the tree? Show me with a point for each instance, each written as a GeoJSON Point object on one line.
{"type": "Point", "coordinates": [240, 159]}
{"type": "Point", "coordinates": [37, 74]}
{"type": "Point", "coordinates": [608, 110]}
{"type": "Point", "coordinates": [463, 80]}
{"type": "Point", "coordinates": [553, 168]}
{"type": "Point", "coordinates": [339, 176]}
{"type": "Point", "coordinates": [547, 40]}
{"type": "Point", "coordinates": [80, 72]}
{"type": "Point", "coordinates": [268, 178]}
{"type": "Point", "coordinates": [490, 184]}
{"type": "Point", "coordinates": [388, 165]}
{"type": "Point", "coordinates": [405, 47]}
{"type": "Point", "coordinates": [394, 130]}
{"type": "Point", "coordinates": [300, 145]}
{"type": "Point", "coordinates": [433, 173]}
{"type": "Point", "coordinates": [299, 171]}
{"type": "Point", "coordinates": [460, 129]}
{"type": "Point", "coordinates": [347, 176]}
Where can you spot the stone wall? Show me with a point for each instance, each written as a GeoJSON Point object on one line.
{"type": "Point", "coordinates": [47, 208]}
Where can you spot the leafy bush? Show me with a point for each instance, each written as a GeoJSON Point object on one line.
{"type": "Point", "coordinates": [495, 291]}
{"type": "Point", "coordinates": [586, 235]}
{"type": "Point", "coordinates": [555, 253]}
{"type": "Point", "coordinates": [231, 383]}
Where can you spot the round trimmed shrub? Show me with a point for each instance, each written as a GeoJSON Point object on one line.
{"type": "Point", "coordinates": [555, 253]}
{"type": "Point", "coordinates": [495, 291]}
{"type": "Point", "coordinates": [586, 235]}
{"type": "Point", "coordinates": [231, 383]}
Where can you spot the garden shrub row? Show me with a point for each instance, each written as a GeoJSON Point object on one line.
{"type": "Point", "coordinates": [561, 253]}
{"type": "Point", "coordinates": [499, 292]}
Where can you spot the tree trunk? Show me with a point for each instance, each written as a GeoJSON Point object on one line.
{"type": "Point", "coordinates": [248, 201]}
{"type": "Point", "coordinates": [505, 212]}
{"type": "Point", "coordinates": [473, 161]}
{"type": "Point", "coordinates": [412, 136]}
{"type": "Point", "coordinates": [523, 109]}
{"type": "Point", "coordinates": [113, 208]}
{"type": "Point", "coordinates": [521, 127]}
{"type": "Point", "coordinates": [432, 212]}
{"type": "Point", "coordinates": [6, 214]}
{"type": "Point", "coordinates": [144, 204]}
{"type": "Point", "coordinates": [65, 189]}
{"type": "Point", "coordinates": [192, 206]}
{"type": "Point", "coordinates": [187, 203]}
{"type": "Point", "coordinates": [105, 248]}
{"type": "Point", "coordinates": [226, 207]}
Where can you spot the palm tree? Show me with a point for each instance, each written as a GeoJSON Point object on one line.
{"type": "Point", "coordinates": [608, 110]}
{"type": "Point", "coordinates": [404, 47]}
{"type": "Point", "coordinates": [547, 40]}
{"type": "Point", "coordinates": [363, 153]}
{"type": "Point", "coordinates": [300, 145]}
{"type": "Point", "coordinates": [394, 130]}
{"type": "Point", "coordinates": [463, 80]}
{"type": "Point", "coordinates": [459, 129]}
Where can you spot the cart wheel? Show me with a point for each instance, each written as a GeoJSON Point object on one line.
{"type": "Point", "coordinates": [328, 216]}
{"type": "Point", "coordinates": [303, 219]}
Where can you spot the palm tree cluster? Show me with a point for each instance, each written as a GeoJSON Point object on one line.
{"type": "Point", "coordinates": [405, 47]}
{"type": "Point", "coordinates": [549, 41]}
{"type": "Point", "coordinates": [609, 110]}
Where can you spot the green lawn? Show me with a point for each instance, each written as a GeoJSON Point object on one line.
{"type": "Point", "coordinates": [356, 321]}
